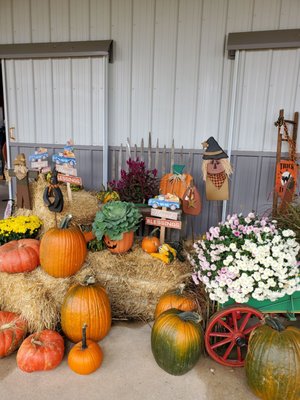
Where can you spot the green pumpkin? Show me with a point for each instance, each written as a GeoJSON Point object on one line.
{"type": "Point", "coordinates": [273, 361]}
{"type": "Point", "coordinates": [177, 341]}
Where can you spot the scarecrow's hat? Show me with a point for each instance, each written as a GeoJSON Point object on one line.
{"type": "Point", "coordinates": [212, 151]}
{"type": "Point", "coordinates": [20, 159]}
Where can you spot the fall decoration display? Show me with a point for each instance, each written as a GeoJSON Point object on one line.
{"type": "Point", "coordinates": [166, 253]}
{"type": "Point", "coordinates": [63, 250]}
{"type": "Point", "coordinates": [20, 227]}
{"type": "Point", "coordinates": [176, 298]}
{"type": "Point", "coordinates": [150, 244]}
{"type": "Point", "coordinates": [216, 169]}
{"type": "Point", "coordinates": [113, 221]}
{"type": "Point", "coordinates": [176, 182]}
{"type": "Point", "coordinates": [134, 288]}
{"type": "Point", "coordinates": [13, 329]}
{"type": "Point", "coordinates": [86, 303]}
{"type": "Point", "coordinates": [273, 361]}
{"type": "Point", "coordinates": [86, 356]}
{"type": "Point", "coordinates": [177, 341]}
{"type": "Point", "coordinates": [120, 246]}
{"type": "Point", "coordinates": [138, 184]}
{"type": "Point", "coordinates": [41, 351]}
{"type": "Point", "coordinates": [19, 256]}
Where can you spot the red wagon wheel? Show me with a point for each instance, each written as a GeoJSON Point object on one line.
{"type": "Point", "coordinates": [227, 334]}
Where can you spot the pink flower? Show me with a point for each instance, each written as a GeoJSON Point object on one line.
{"type": "Point", "coordinates": [236, 233]}
{"type": "Point", "coordinates": [195, 279]}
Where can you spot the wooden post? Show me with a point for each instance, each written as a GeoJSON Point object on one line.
{"type": "Point", "coordinates": [278, 155]}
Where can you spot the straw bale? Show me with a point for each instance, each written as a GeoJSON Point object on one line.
{"type": "Point", "coordinates": [134, 283]}
{"type": "Point", "coordinates": [83, 207]}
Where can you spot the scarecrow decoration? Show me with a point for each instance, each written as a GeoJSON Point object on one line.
{"type": "Point", "coordinates": [22, 175]}
{"type": "Point", "coordinates": [216, 169]}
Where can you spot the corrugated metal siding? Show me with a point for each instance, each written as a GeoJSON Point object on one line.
{"type": "Point", "coordinates": [171, 75]}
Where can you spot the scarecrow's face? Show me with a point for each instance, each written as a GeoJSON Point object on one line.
{"type": "Point", "coordinates": [215, 167]}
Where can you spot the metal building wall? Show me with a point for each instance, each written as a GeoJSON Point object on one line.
{"type": "Point", "coordinates": [171, 75]}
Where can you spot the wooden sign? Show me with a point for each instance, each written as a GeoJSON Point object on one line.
{"type": "Point", "coordinates": [155, 212]}
{"type": "Point", "coordinates": [285, 170]}
{"type": "Point", "coordinates": [63, 169]}
{"type": "Point", "coordinates": [163, 222]}
{"type": "Point", "coordinates": [39, 164]}
{"type": "Point", "coordinates": [76, 180]}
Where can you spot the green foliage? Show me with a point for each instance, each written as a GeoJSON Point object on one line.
{"type": "Point", "coordinates": [115, 218]}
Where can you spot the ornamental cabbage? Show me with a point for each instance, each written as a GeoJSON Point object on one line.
{"type": "Point", "coordinates": [116, 218]}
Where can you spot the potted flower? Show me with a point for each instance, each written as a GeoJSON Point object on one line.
{"type": "Point", "coordinates": [247, 257]}
{"type": "Point", "coordinates": [20, 227]}
{"type": "Point", "coordinates": [116, 222]}
{"type": "Point", "coordinates": [137, 185]}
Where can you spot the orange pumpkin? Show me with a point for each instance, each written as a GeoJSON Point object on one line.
{"type": "Point", "coordinates": [86, 356]}
{"type": "Point", "coordinates": [63, 250]}
{"type": "Point", "coordinates": [13, 329]}
{"type": "Point", "coordinates": [120, 246]}
{"type": "Point", "coordinates": [41, 351]}
{"type": "Point", "coordinates": [175, 299]}
{"type": "Point", "coordinates": [150, 244]}
{"type": "Point", "coordinates": [86, 303]}
{"type": "Point", "coordinates": [19, 256]}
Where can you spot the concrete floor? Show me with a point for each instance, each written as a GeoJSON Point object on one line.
{"type": "Point", "coordinates": [128, 372]}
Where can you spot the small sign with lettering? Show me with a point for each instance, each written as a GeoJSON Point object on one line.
{"type": "Point", "coordinates": [75, 180]}
{"type": "Point", "coordinates": [163, 222]}
{"type": "Point", "coordinates": [155, 212]}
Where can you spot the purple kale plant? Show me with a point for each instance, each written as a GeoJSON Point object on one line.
{"type": "Point", "coordinates": [138, 184]}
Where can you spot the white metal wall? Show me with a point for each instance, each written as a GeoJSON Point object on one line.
{"type": "Point", "coordinates": [171, 74]}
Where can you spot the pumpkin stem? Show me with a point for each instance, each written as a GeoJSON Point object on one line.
{"type": "Point", "coordinates": [153, 231]}
{"type": "Point", "coordinates": [274, 323]}
{"type": "Point", "coordinates": [89, 280]}
{"type": "Point", "coordinates": [84, 345]}
{"type": "Point", "coordinates": [65, 221]}
{"type": "Point", "coordinates": [190, 316]}
{"type": "Point", "coordinates": [181, 288]}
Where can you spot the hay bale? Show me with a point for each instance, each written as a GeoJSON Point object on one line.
{"type": "Point", "coordinates": [134, 282]}
{"type": "Point", "coordinates": [83, 207]}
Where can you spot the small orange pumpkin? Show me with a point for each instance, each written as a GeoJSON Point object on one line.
{"type": "Point", "coordinates": [175, 299]}
{"type": "Point", "coordinates": [150, 244]}
{"type": "Point", "coordinates": [86, 356]}
{"type": "Point", "coordinates": [62, 250]}
{"type": "Point", "coordinates": [120, 246]}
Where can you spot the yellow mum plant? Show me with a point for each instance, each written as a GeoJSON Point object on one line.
{"type": "Point", "coordinates": [20, 227]}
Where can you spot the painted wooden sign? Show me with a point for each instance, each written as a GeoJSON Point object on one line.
{"type": "Point", "coordinates": [64, 169]}
{"type": "Point", "coordinates": [39, 164]}
{"type": "Point", "coordinates": [76, 180]}
{"type": "Point", "coordinates": [285, 170]}
{"type": "Point", "coordinates": [155, 212]}
{"type": "Point", "coordinates": [163, 222]}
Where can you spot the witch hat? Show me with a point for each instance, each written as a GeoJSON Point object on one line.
{"type": "Point", "coordinates": [212, 151]}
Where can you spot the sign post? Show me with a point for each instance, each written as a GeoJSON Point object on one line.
{"type": "Point", "coordinates": [163, 222]}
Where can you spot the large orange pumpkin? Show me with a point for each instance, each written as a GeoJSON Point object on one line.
{"type": "Point", "coordinates": [86, 303]}
{"type": "Point", "coordinates": [120, 246]}
{"type": "Point", "coordinates": [63, 250]}
{"type": "Point", "coordinates": [41, 351]}
{"type": "Point", "coordinates": [19, 256]}
{"type": "Point", "coordinates": [13, 329]}
{"type": "Point", "coordinates": [175, 299]}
